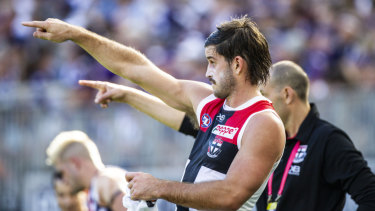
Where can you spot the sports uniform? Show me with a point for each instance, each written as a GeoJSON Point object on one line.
{"type": "Point", "coordinates": [219, 139]}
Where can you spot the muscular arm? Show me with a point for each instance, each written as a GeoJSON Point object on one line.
{"type": "Point", "coordinates": [126, 62]}
{"type": "Point", "coordinates": [261, 147]}
{"type": "Point", "coordinates": [155, 108]}
{"type": "Point", "coordinates": [146, 103]}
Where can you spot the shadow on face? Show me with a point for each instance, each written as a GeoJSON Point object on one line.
{"type": "Point", "coordinates": [66, 199]}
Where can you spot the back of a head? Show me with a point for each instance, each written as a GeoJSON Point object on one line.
{"type": "Point", "coordinates": [241, 37]}
{"type": "Point", "coordinates": [288, 73]}
{"type": "Point", "coordinates": [72, 143]}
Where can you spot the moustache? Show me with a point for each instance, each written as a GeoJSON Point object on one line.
{"type": "Point", "coordinates": [212, 81]}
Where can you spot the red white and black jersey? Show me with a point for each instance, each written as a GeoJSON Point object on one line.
{"type": "Point", "coordinates": [219, 139]}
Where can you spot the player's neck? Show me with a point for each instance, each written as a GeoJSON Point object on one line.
{"type": "Point", "coordinates": [297, 115]}
{"type": "Point", "coordinates": [91, 172]}
{"type": "Point", "coordinates": [242, 94]}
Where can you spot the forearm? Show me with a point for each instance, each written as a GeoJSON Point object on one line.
{"type": "Point", "coordinates": [134, 66]}
{"type": "Point", "coordinates": [130, 64]}
{"type": "Point", "coordinates": [154, 107]}
{"type": "Point", "coordinates": [215, 195]}
{"type": "Point", "coordinates": [125, 62]}
{"type": "Point", "coordinates": [112, 55]}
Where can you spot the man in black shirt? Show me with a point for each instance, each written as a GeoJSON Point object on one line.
{"type": "Point", "coordinates": [323, 164]}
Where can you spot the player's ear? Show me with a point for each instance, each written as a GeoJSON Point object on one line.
{"type": "Point", "coordinates": [238, 64]}
{"type": "Point", "coordinates": [76, 162]}
{"type": "Point", "coordinates": [289, 94]}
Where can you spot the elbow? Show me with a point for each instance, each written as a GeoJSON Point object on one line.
{"type": "Point", "coordinates": [231, 204]}
{"type": "Point", "coordinates": [234, 201]}
{"type": "Point", "coordinates": [234, 206]}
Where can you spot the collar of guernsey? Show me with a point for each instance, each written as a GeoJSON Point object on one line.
{"type": "Point", "coordinates": [285, 174]}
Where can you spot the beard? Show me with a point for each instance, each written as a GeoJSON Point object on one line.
{"type": "Point", "coordinates": [226, 85]}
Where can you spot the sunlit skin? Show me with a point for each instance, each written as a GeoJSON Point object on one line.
{"type": "Point", "coordinates": [67, 200]}
{"type": "Point", "coordinates": [219, 73]}
{"type": "Point", "coordinates": [229, 80]}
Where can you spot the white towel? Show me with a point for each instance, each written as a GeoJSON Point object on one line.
{"type": "Point", "coordinates": [132, 205]}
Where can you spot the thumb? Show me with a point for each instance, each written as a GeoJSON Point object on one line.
{"type": "Point", "coordinates": [106, 96]}
{"type": "Point", "coordinates": [129, 176]}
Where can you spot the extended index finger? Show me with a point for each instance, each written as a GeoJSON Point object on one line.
{"type": "Point", "coordinates": [38, 24]}
{"type": "Point", "coordinates": [93, 84]}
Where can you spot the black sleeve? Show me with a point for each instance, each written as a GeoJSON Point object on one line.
{"type": "Point", "coordinates": [345, 167]}
{"type": "Point", "coordinates": [187, 127]}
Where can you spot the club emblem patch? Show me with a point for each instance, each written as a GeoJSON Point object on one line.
{"type": "Point", "coordinates": [301, 154]}
{"type": "Point", "coordinates": [214, 148]}
{"type": "Point", "coordinates": [206, 121]}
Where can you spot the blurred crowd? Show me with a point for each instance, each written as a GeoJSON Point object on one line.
{"type": "Point", "coordinates": [334, 40]}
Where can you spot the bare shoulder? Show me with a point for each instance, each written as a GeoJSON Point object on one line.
{"type": "Point", "coordinates": [265, 130]}
{"type": "Point", "coordinates": [111, 175]}
{"type": "Point", "coordinates": [197, 91]}
{"type": "Point", "coordinates": [110, 181]}
{"type": "Point", "coordinates": [113, 172]}
{"type": "Point", "coordinates": [267, 120]}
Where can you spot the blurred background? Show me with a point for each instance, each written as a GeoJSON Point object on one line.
{"type": "Point", "coordinates": [333, 40]}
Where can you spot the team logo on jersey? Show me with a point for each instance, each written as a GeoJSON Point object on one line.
{"type": "Point", "coordinates": [214, 148]}
{"type": "Point", "coordinates": [206, 121]}
{"type": "Point", "coordinates": [301, 154]}
{"type": "Point", "coordinates": [220, 117]}
{"type": "Point", "coordinates": [225, 131]}
{"type": "Point", "coordinates": [294, 170]}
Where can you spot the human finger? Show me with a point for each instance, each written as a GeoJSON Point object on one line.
{"type": "Point", "coordinates": [36, 24]}
{"type": "Point", "coordinates": [93, 84]}
{"type": "Point", "coordinates": [99, 95]}
{"type": "Point", "coordinates": [105, 97]}
{"type": "Point", "coordinates": [104, 105]}
{"type": "Point", "coordinates": [41, 30]}
{"type": "Point", "coordinates": [129, 176]}
{"type": "Point", "coordinates": [130, 185]}
{"type": "Point", "coordinates": [42, 35]}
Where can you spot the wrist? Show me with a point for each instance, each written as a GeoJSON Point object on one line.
{"type": "Point", "coordinates": [124, 96]}
{"type": "Point", "coordinates": [76, 34]}
{"type": "Point", "coordinates": [160, 188]}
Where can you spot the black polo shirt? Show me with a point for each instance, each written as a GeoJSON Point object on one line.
{"type": "Point", "coordinates": [326, 166]}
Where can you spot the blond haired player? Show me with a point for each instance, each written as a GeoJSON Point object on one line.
{"type": "Point", "coordinates": [76, 157]}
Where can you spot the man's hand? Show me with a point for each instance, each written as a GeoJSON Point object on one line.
{"type": "Point", "coordinates": [107, 92]}
{"type": "Point", "coordinates": [142, 186]}
{"type": "Point", "coordinates": [52, 29]}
